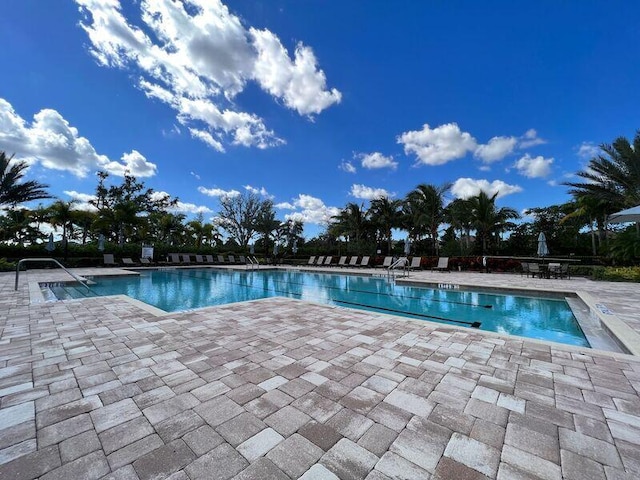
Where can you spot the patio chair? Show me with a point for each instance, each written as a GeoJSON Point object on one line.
{"type": "Point", "coordinates": [232, 259]}
{"type": "Point", "coordinates": [342, 262]}
{"type": "Point", "coordinates": [443, 265]}
{"type": "Point", "coordinates": [353, 262]}
{"type": "Point", "coordinates": [415, 263]}
{"type": "Point", "coordinates": [564, 271]}
{"type": "Point", "coordinates": [146, 261]}
{"type": "Point", "coordinates": [327, 261]}
{"type": "Point", "coordinates": [174, 258]}
{"type": "Point", "coordinates": [186, 259]}
{"type": "Point", "coordinates": [387, 262]}
{"type": "Point", "coordinates": [364, 262]}
{"type": "Point", "coordinates": [525, 269]}
{"type": "Point", "coordinates": [209, 258]}
{"type": "Point", "coordinates": [108, 260]}
{"type": "Point", "coordinates": [312, 260]}
{"type": "Point", "coordinates": [127, 262]}
{"type": "Point", "coordinates": [534, 270]}
{"type": "Point", "coordinates": [221, 259]}
{"type": "Point", "coordinates": [242, 259]}
{"type": "Point", "coordinates": [319, 261]}
{"type": "Point", "coordinates": [199, 259]}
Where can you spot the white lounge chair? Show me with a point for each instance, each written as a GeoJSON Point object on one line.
{"type": "Point", "coordinates": [443, 264]}
{"type": "Point", "coordinates": [221, 259]}
{"type": "Point", "coordinates": [174, 258]}
{"type": "Point", "coordinates": [186, 259]}
{"type": "Point", "coordinates": [127, 262]}
{"type": "Point", "coordinates": [353, 262]}
{"type": "Point", "coordinates": [108, 260]}
{"type": "Point", "coordinates": [387, 262]}
{"type": "Point", "coordinates": [312, 260]}
{"type": "Point", "coordinates": [327, 261]}
{"type": "Point", "coordinates": [319, 261]}
{"type": "Point", "coordinates": [364, 262]}
{"type": "Point", "coordinates": [209, 258]}
{"type": "Point", "coordinates": [415, 263]}
{"type": "Point", "coordinates": [342, 262]}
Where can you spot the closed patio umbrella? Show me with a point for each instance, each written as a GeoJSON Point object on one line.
{"type": "Point", "coordinates": [407, 246]}
{"type": "Point", "coordinates": [275, 249]}
{"type": "Point", "coordinates": [543, 249]}
{"type": "Point", "coordinates": [101, 243]}
{"type": "Point", "coordinates": [252, 249]}
{"type": "Point", "coordinates": [50, 246]}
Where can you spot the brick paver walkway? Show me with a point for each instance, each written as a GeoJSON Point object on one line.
{"type": "Point", "coordinates": [279, 389]}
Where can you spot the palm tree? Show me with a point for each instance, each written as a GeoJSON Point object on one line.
{"type": "Point", "coordinates": [386, 215]}
{"type": "Point", "coordinates": [487, 220]}
{"type": "Point", "coordinates": [459, 215]}
{"type": "Point", "coordinates": [61, 215]}
{"type": "Point", "coordinates": [426, 211]}
{"type": "Point", "coordinates": [352, 222]}
{"type": "Point", "coordinates": [12, 190]}
{"type": "Point", "coordinates": [614, 176]}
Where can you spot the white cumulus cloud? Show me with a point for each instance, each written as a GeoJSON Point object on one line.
{"type": "Point", "coordinates": [347, 167]}
{"type": "Point", "coordinates": [50, 140]}
{"type": "Point", "coordinates": [259, 191]}
{"type": "Point", "coordinates": [587, 150]}
{"type": "Point", "coordinates": [218, 192]}
{"type": "Point", "coordinates": [311, 210]}
{"type": "Point", "coordinates": [369, 193]}
{"type": "Point", "coordinates": [377, 160]}
{"type": "Point", "coordinates": [81, 201]}
{"type": "Point", "coordinates": [530, 139]}
{"type": "Point", "coordinates": [181, 207]}
{"type": "Point", "coordinates": [196, 56]}
{"type": "Point", "coordinates": [534, 167]}
{"type": "Point", "coordinates": [439, 145]}
{"type": "Point", "coordinates": [469, 187]}
{"type": "Point", "coordinates": [496, 149]}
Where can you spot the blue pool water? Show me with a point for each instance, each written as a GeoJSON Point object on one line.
{"type": "Point", "coordinates": [184, 289]}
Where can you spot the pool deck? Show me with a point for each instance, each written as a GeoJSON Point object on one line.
{"type": "Point", "coordinates": [283, 389]}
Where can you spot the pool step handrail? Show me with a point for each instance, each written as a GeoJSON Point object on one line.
{"type": "Point", "coordinates": [25, 260]}
{"type": "Point", "coordinates": [400, 263]}
{"type": "Point", "coordinates": [253, 262]}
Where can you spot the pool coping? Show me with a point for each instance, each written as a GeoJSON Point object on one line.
{"type": "Point", "coordinates": [621, 333]}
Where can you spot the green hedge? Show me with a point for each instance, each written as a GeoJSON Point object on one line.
{"type": "Point", "coordinates": [617, 274]}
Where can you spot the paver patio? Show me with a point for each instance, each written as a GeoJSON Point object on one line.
{"type": "Point", "coordinates": [280, 388]}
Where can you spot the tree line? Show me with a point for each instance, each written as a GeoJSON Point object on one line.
{"type": "Point", "coordinates": [130, 212]}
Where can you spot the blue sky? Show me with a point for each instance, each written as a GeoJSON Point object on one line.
{"type": "Point", "coordinates": [317, 103]}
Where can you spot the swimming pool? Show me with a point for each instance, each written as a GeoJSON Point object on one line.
{"type": "Point", "coordinates": [184, 289]}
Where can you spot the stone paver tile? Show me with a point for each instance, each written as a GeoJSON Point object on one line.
{"type": "Point", "coordinates": [390, 416]}
{"type": "Point", "coordinates": [295, 455]}
{"type": "Point", "coordinates": [318, 472]}
{"type": "Point", "coordinates": [260, 407]}
{"type": "Point", "coordinates": [590, 447]}
{"type": "Point", "coordinates": [380, 384]}
{"type": "Point", "coordinates": [378, 439]}
{"type": "Point", "coordinates": [318, 407]}
{"type": "Point", "coordinates": [259, 444]}
{"type": "Point", "coordinates": [593, 428]}
{"type": "Point", "coordinates": [62, 430]}
{"type": "Point", "coordinates": [577, 467]}
{"type": "Point", "coordinates": [350, 424]}
{"type": "Point", "coordinates": [203, 439]}
{"type": "Point", "coordinates": [536, 443]}
{"type": "Point", "coordinates": [489, 433]}
{"type": "Point", "coordinates": [287, 420]}
{"type": "Point", "coordinates": [119, 393]}
{"type": "Point", "coordinates": [579, 407]}
{"type": "Point", "coordinates": [153, 396]}
{"type": "Point", "coordinates": [122, 435]}
{"type": "Point", "coordinates": [362, 400]}
{"type": "Point", "coordinates": [487, 411]}
{"type": "Point", "coordinates": [348, 460]}
{"type": "Point", "coordinates": [297, 387]}
{"type": "Point", "coordinates": [218, 410]}
{"type": "Point", "coordinates": [32, 465]}
{"type": "Point", "coordinates": [68, 410]}
{"type": "Point", "coordinates": [111, 415]}
{"type": "Point", "coordinates": [261, 469]}
{"type": "Point", "coordinates": [17, 414]}
{"type": "Point", "coordinates": [476, 455]}
{"type": "Point", "coordinates": [17, 433]}
{"type": "Point", "coordinates": [131, 452]}
{"type": "Point", "coordinates": [89, 467]}
{"type": "Point", "coordinates": [164, 461]}
{"type": "Point", "coordinates": [615, 474]}
{"type": "Point", "coordinates": [449, 469]}
{"type": "Point", "coordinates": [224, 460]}
{"type": "Point", "coordinates": [332, 390]}
{"type": "Point", "coordinates": [410, 402]}
{"type": "Point", "coordinates": [240, 428]}
{"type": "Point", "coordinates": [170, 407]}
{"type": "Point", "coordinates": [509, 472]}
{"type": "Point", "coordinates": [395, 467]}
{"type": "Point", "coordinates": [273, 382]}
{"type": "Point", "coordinates": [531, 464]}
{"type": "Point", "coordinates": [209, 391]}
{"type": "Point", "coordinates": [320, 434]}
{"type": "Point", "coordinates": [245, 393]}
{"type": "Point", "coordinates": [18, 449]}
{"type": "Point", "coordinates": [549, 414]}
{"type": "Point", "coordinates": [278, 398]}
{"type": "Point", "coordinates": [123, 473]}
{"type": "Point", "coordinates": [79, 446]}
{"type": "Point", "coordinates": [178, 425]}
{"type": "Point", "coordinates": [452, 419]}
{"type": "Point", "coordinates": [422, 443]}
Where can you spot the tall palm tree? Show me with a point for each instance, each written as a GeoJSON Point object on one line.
{"type": "Point", "coordinates": [459, 215]}
{"type": "Point", "coordinates": [352, 222]}
{"type": "Point", "coordinates": [426, 210]}
{"type": "Point", "coordinates": [12, 190]}
{"type": "Point", "coordinates": [386, 215]}
{"type": "Point", "coordinates": [613, 177]}
{"type": "Point", "coordinates": [61, 215]}
{"type": "Point", "coordinates": [489, 221]}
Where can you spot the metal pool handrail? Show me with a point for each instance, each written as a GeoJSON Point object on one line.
{"type": "Point", "coordinates": [76, 278]}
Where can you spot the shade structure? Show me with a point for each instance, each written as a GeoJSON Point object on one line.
{"type": "Point", "coordinates": [252, 249]}
{"type": "Point", "coordinates": [101, 242]}
{"type": "Point", "coordinates": [543, 249]}
{"type": "Point", "coordinates": [407, 246]}
{"type": "Point", "coordinates": [50, 246]}
{"type": "Point", "coordinates": [629, 215]}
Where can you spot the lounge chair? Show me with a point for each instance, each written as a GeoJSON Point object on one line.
{"type": "Point", "coordinates": [402, 262]}
{"type": "Point", "coordinates": [534, 269]}
{"type": "Point", "coordinates": [209, 258]}
{"type": "Point", "coordinates": [221, 259]}
{"type": "Point", "coordinates": [127, 262]}
{"type": "Point", "coordinates": [525, 269]}
{"type": "Point", "coordinates": [342, 262]}
{"type": "Point", "coordinates": [174, 258]}
{"type": "Point", "coordinates": [387, 262]}
{"type": "Point", "coordinates": [186, 259]}
{"type": "Point", "coordinates": [364, 262]}
{"type": "Point", "coordinates": [443, 264]}
{"type": "Point", "coordinates": [242, 259]}
{"type": "Point", "coordinates": [199, 259]}
{"type": "Point", "coordinates": [108, 260]}
{"type": "Point", "coordinates": [232, 259]}
{"type": "Point", "coordinates": [319, 261]}
{"type": "Point", "coordinates": [415, 263]}
{"type": "Point", "coordinates": [312, 260]}
{"type": "Point", "coordinates": [146, 261]}
{"type": "Point", "coordinates": [327, 261]}
{"type": "Point", "coordinates": [564, 271]}
{"type": "Point", "coordinates": [353, 262]}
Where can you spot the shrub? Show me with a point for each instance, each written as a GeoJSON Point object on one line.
{"type": "Point", "coordinates": [6, 266]}
{"type": "Point", "coordinates": [617, 274]}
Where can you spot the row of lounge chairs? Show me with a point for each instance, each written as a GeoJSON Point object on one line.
{"type": "Point", "coordinates": [388, 262]}
{"type": "Point", "coordinates": [327, 261]}
{"type": "Point", "coordinates": [178, 259]}
{"type": "Point", "coordinates": [545, 270]}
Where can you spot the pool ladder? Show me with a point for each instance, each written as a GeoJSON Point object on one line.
{"type": "Point", "coordinates": [252, 262]}
{"type": "Point", "coordinates": [401, 264]}
{"type": "Point", "coordinates": [53, 260]}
